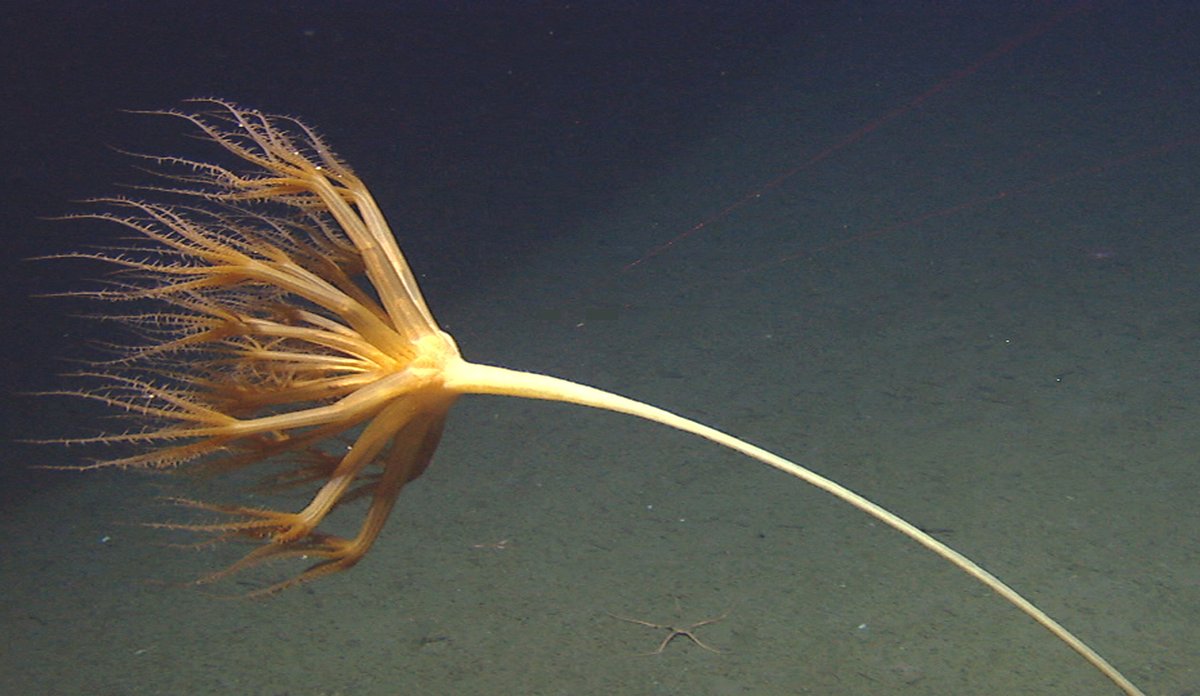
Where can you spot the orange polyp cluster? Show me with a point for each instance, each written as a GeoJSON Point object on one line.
{"type": "Point", "coordinates": [268, 341]}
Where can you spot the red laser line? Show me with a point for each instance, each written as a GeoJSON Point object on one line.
{"type": "Point", "coordinates": [983, 200]}
{"type": "Point", "coordinates": [1032, 32]}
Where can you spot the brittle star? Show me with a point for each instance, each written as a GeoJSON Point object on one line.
{"type": "Point", "coordinates": [675, 632]}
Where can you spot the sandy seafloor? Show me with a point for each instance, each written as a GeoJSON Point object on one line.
{"type": "Point", "coordinates": [1018, 372]}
